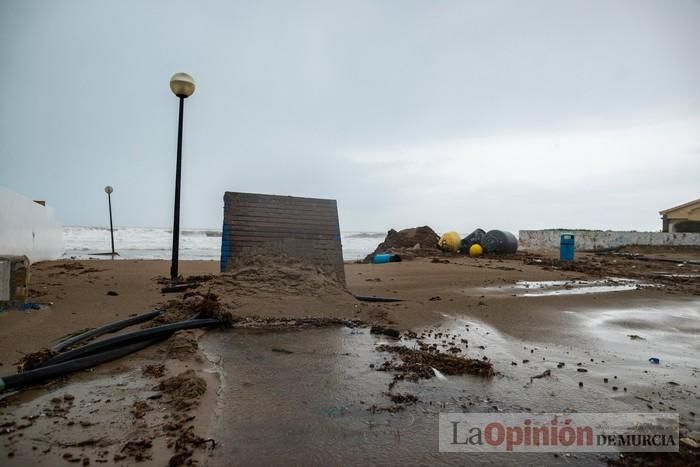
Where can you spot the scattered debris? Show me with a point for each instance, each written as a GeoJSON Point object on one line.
{"type": "Point", "coordinates": [391, 408]}
{"type": "Point", "coordinates": [153, 370]}
{"type": "Point", "coordinates": [402, 398]}
{"type": "Point", "coordinates": [438, 374]}
{"type": "Point", "coordinates": [257, 322]}
{"type": "Point", "coordinates": [419, 364]}
{"type": "Point", "coordinates": [137, 448]}
{"type": "Point", "coordinates": [626, 263]}
{"type": "Point", "coordinates": [34, 359]}
{"type": "Point", "coordinates": [544, 374]}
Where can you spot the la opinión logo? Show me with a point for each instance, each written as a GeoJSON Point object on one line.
{"type": "Point", "coordinates": [590, 432]}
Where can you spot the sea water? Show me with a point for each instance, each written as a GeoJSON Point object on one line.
{"type": "Point", "coordinates": [204, 244]}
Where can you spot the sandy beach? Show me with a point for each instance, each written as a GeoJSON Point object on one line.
{"type": "Point", "coordinates": [350, 233]}
{"type": "Point", "coordinates": [123, 412]}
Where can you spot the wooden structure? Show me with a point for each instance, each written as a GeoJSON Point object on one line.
{"type": "Point", "coordinates": [305, 229]}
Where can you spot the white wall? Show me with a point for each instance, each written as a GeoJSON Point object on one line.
{"type": "Point", "coordinates": [27, 228]}
{"type": "Point", "coordinates": [599, 239]}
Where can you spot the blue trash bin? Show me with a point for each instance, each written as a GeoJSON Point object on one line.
{"type": "Point", "coordinates": [566, 247]}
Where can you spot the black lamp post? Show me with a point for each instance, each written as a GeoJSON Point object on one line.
{"type": "Point", "coordinates": [109, 190]}
{"type": "Point", "coordinates": [182, 86]}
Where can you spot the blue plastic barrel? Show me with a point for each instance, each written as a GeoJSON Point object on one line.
{"type": "Point", "coordinates": [386, 258]}
{"type": "Point", "coordinates": [566, 247]}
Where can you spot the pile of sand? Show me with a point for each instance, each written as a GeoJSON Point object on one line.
{"type": "Point", "coordinates": [184, 389]}
{"type": "Point", "coordinates": [183, 346]}
{"type": "Point", "coordinates": [418, 241]}
{"type": "Point", "coordinates": [278, 286]}
{"type": "Point", "coordinates": [193, 304]}
{"type": "Point", "coordinates": [274, 275]}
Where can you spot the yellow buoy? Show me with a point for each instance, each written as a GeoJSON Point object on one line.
{"type": "Point", "coordinates": [475, 250]}
{"type": "Point", "coordinates": [450, 242]}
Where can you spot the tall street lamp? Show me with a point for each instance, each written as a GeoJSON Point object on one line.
{"type": "Point", "coordinates": [182, 86]}
{"type": "Point", "coordinates": [109, 190]}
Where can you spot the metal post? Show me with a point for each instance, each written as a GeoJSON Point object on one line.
{"type": "Point", "coordinates": [111, 226]}
{"type": "Point", "coordinates": [176, 222]}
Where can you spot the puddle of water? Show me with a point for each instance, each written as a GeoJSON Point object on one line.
{"type": "Point", "coordinates": [675, 276]}
{"type": "Point", "coordinates": [302, 397]}
{"type": "Point", "coordinates": [575, 287]}
{"type": "Point", "coordinates": [100, 400]}
{"type": "Point", "coordinates": [670, 329]}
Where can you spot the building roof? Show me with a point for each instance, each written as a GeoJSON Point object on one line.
{"type": "Point", "coordinates": [680, 206]}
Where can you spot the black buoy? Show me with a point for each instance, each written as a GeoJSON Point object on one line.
{"type": "Point", "coordinates": [475, 237]}
{"type": "Point", "coordinates": [500, 242]}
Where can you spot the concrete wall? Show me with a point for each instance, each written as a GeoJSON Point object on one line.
{"type": "Point", "coordinates": [28, 229]}
{"type": "Point", "coordinates": [601, 239]}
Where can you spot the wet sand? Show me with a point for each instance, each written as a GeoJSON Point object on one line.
{"type": "Point", "coordinates": [472, 299]}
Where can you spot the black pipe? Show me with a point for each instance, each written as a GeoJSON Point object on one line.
{"type": "Point", "coordinates": [364, 298]}
{"type": "Point", "coordinates": [112, 327]}
{"type": "Point", "coordinates": [100, 346]}
{"type": "Point", "coordinates": [45, 373]}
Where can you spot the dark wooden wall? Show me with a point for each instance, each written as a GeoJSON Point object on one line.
{"type": "Point", "coordinates": [302, 228]}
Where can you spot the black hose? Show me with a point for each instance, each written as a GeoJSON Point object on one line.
{"type": "Point", "coordinates": [135, 336]}
{"type": "Point", "coordinates": [364, 298]}
{"type": "Point", "coordinates": [112, 327]}
{"type": "Point", "coordinates": [45, 373]}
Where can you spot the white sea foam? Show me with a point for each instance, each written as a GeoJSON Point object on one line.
{"type": "Point", "coordinates": [156, 243]}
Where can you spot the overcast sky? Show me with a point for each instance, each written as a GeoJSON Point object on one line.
{"type": "Point", "coordinates": [456, 114]}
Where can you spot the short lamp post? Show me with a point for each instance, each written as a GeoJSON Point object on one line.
{"type": "Point", "coordinates": [109, 190]}
{"type": "Point", "coordinates": [182, 86]}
